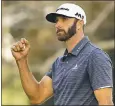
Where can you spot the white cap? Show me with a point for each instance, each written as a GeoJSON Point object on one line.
{"type": "Point", "coordinates": [69, 10]}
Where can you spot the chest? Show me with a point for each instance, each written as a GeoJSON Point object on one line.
{"type": "Point", "coordinates": [70, 73]}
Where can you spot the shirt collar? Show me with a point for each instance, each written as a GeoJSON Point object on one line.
{"type": "Point", "coordinates": [79, 46]}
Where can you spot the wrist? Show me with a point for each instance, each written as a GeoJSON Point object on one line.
{"type": "Point", "coordinates": [22, 60]}
{"type": "Point", "coordinates": [22, 64]}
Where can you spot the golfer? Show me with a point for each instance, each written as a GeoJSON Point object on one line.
{"type": "Point", "coordinates": [81, 76]}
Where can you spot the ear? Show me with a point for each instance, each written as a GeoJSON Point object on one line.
{"type": "Point", "coordinates": [80, 24]}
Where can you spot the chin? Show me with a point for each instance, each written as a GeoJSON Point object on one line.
{"type": "Point", "coordinates": [62, 38]}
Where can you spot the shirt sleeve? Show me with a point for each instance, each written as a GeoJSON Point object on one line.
{"type": "Point", "coordinates": [100, 70]}
{"type": "Point", "coordinates": [49, 74]}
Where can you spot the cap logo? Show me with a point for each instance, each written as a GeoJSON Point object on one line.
{"type": "Point", "coordinates": [62, 9]}
{"type": "Point", "coordinates": [82, 17]}
{"type": "Point", "coordinates": [79, 15]}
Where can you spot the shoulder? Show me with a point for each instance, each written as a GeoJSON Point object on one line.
{"type": "Point", "coordinates": [98, 56]}
{"type": "Point", "coordinates": [99, 53]}
{"type": "Point", "coordinates": [94, 52]}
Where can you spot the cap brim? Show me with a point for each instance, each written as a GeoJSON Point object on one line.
{"type": "Point", "coordinates": [52, 17]}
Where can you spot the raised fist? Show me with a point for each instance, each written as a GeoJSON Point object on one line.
{"type": "Point", "coordinates": [20, 49]}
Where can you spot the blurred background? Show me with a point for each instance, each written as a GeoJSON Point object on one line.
{"type": "Point", "coordinates": [27, 19]}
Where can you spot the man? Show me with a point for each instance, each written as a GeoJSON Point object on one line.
{"type": "Point", "coordinates": [82, 76]}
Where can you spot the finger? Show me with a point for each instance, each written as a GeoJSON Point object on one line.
{"type": "Point", "coordinates": [17, 46]}
{"type": "Point", "coordinates": [13, 48]}
{"type": "Point", "coordinates": [21, 45]}
{"type": "Point", "coordinates": [24, 41]}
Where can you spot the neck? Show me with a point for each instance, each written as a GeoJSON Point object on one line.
{"type": "Point", "coordinates": [73, 41]}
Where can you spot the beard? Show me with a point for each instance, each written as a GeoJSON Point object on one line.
{"type": "Point", "coordinates": [63, 35]}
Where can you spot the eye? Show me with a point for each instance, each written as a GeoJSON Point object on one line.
{"type": "Point", "coordinates": [64, 18]}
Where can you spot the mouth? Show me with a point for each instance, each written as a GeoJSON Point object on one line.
{"type": "Point", "coordinates": [59, 32]}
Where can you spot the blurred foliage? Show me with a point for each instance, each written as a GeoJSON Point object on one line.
{"type": "Point", "coordinates": [27, 19]}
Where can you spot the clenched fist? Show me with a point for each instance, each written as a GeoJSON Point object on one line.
{"type": "Point", "coordinates": [20, 49]}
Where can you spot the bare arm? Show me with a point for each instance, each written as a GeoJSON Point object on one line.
{"type": "Point", "coordinates": [104, 96]}
{"type": "Point", "coordinates": [37, 92]}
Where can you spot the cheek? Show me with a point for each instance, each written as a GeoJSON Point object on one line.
{"type": "Point", "coordinates": [66, 29]}
{"type": "Point", "coordinates": [68, 26]}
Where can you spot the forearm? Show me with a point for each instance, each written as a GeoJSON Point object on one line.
{"type": "Point", "coordinates": [30, 85]}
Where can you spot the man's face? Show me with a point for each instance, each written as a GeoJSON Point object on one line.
{"type": "Point", "coordinates": [65, 28]}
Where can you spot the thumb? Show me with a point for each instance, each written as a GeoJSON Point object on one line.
{"type": "Point", "coordinates": [25, 42]}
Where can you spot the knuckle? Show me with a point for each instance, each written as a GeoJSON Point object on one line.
{"type": "Point", "coordinates": [18, 42]}
{"type": "Point", "coordinates": [15, 44]}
